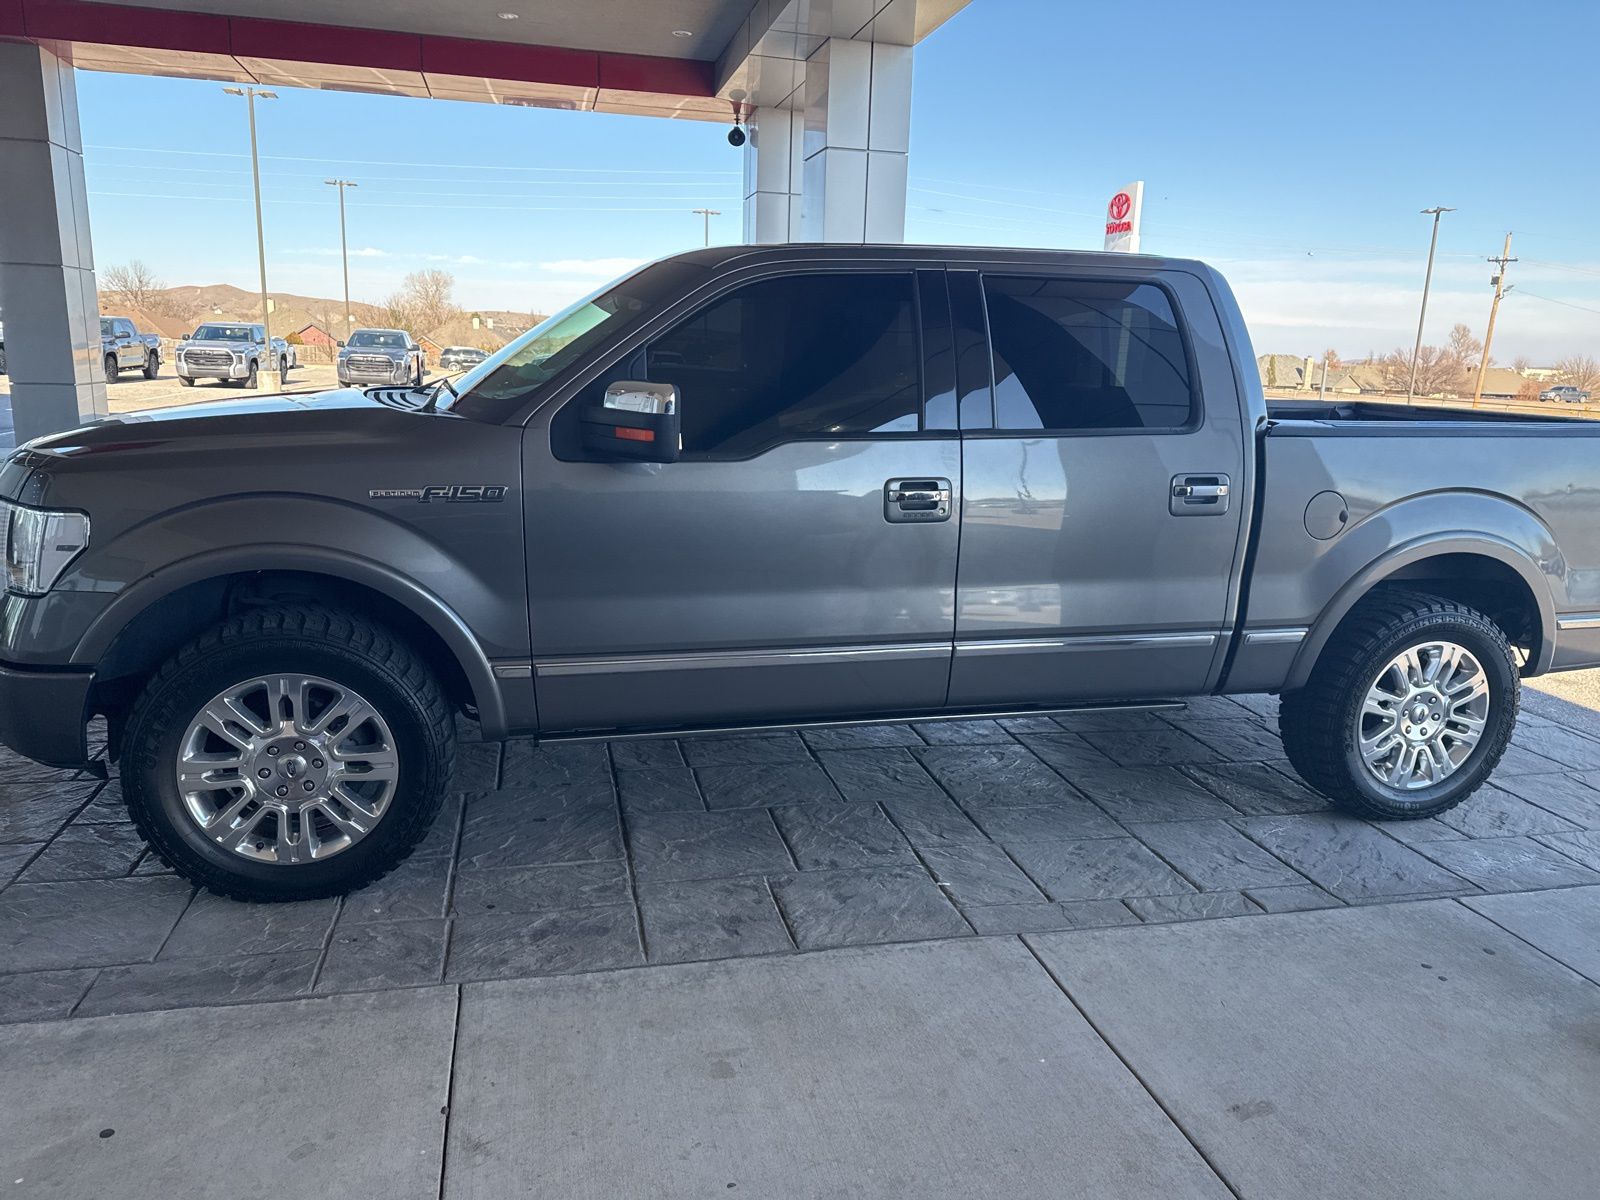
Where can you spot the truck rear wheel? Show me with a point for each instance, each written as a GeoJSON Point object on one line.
{"type": "Point", "coordinates": [152, 365]}
{"type": "Point", "coordinates": [290, 753]}
{"type": "Point", "coordinates": [1409, 708]}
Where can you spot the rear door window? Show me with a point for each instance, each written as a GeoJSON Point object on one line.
{"type": "Point", "coordinates": [1075, 355]}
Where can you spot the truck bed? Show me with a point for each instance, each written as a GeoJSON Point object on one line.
{"type": "Point", "coordinates": [1371, 412]}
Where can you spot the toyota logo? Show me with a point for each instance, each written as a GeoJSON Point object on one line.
{"type": "Point", "coordinates": [1120, 204]}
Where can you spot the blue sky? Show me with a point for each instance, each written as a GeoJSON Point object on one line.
{"type": "Point", "coordinates": [1291, 145]}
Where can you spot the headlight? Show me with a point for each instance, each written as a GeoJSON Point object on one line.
{"type": "Point", "coordinates": [37, 546]}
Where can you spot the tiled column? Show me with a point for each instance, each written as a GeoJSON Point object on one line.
{"type": "Point", "coordinates": [47, 288]}
{"type": "Point", "coordinates": [857, 136]}
{"type": "Point", "coordinates": [772, 170]}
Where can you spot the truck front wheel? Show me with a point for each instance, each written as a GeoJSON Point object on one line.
{"type": "Point", "coordinates": [111, 368]}
{"type": "Point", "coordinates": [290, 753]}
{"type": "Point", "coordinates": [1409, 708]}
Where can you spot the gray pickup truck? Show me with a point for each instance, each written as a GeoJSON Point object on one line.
{"type": "Point", "coordinates": [779, 487]}
{"type": "Point", "coordinates": [126, 349]}
{"type": "Point", "coordinates": [379, 356]}
{"type": "Point", "coordinates": [230, 351]}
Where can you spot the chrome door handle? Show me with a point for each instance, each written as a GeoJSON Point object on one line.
{"type": "Point", "coordinates": [913, 501]}
{"type": "Point", "coordinates": [1199, 495]}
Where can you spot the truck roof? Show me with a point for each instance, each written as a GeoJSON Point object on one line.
{"type": "Point", "coordinates": [718, 257]}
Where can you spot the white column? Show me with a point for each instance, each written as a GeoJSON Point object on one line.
{"type": "Point", "coordinates": [772, 164]}
{"type": "Point", "coordinates": [857, 137]}
{"type": "Point", "coordinates": [47, 287]}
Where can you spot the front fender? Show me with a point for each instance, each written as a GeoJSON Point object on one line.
{"type": "Point", "coordinates": [1424, 527]}
{"type": "Point", "coordinates": [457, 592]}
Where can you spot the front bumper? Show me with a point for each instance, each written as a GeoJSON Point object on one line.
{"type": "Point", "coordinates": [399, 373]}
{"type": "Point", "coordinates": [195, 371]}
{"type": "Point", "coordinates": [43, 714]}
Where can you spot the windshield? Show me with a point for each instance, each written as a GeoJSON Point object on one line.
{"type": "Point", "coordinates": [377, 337]}
{"type": "Point", "coordinates": [223, 333]}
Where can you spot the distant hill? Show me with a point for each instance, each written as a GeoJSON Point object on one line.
{"type": "Point", "coordinates": [176, 310]}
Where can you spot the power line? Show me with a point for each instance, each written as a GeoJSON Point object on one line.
{"type": "Point", "coordinates": [1552, 300]}
{"type": "Point", "coordinates": [389, 162]}
{"type": "Point", "coordinates": [430, 207]}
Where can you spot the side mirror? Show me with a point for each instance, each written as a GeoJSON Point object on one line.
{"type": "Point", "coordinates": [340, 345]}
{"type": "Point", "coordinates": [637, 421]}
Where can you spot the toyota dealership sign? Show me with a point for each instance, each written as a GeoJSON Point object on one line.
{"type": "Point", "coordinates": [1122, 218]}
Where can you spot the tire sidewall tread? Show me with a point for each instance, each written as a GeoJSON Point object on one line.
{"type": "Point", "coordinates": [342, 643]}
{"type": "Point", "coordinates": [1317, 722]}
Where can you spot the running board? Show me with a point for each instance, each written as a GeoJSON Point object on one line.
{"type": "Point", "coordinates": [976, 714]}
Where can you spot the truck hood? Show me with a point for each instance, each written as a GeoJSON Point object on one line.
{"type": "Point", "coordinates": [253, 417]}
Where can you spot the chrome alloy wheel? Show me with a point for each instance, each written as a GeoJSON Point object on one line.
{"type": "Point", "coordinates": [287, 769]}
{"type": "Point", "coordinates": [1424, 715]}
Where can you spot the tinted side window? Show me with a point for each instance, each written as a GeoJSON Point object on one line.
{"type": "Point", "coordinates": [797, 357]}
{"type": "Point", "coordinates": [1079, 354]}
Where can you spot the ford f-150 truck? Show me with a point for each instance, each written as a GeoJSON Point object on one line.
{"type": "Point", "coordinates": [775, 487]}
{"type": "Point", "coordinates": [126, 349]}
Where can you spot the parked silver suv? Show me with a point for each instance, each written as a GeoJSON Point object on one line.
{"type": "Point", "coordinates": [379, 356]}
{"type": "Point", "coordinates": [225, 350]}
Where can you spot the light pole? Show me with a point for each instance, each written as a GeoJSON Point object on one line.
{"type": "Point", "coordinates": [1427, 281]}
{"type": "Point", "coordinates": [344, 246]}
{"type": "Point", "coordinates": [250, 95]}
{"type": "Point", "coordinates": [707, 213]}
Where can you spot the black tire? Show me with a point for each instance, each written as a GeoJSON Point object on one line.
{"type": "Point", "coordinates": [152, 365]}
{"type": "Point", "coordinates": [253, 380]}
{"type": "Point", "coordinates": [1319, 722]}
{"type": "Point", "coordinates": [111, 368]}
{"type": "Point", "coordinates": [185, 381]}
{"type": "Point", "coordinates": [308, 639]}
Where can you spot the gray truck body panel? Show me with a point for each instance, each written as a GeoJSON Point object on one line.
{"type": "Point", "coordinates": [587, 597]}
{"type": "Point", "coordinates": [120, 339]}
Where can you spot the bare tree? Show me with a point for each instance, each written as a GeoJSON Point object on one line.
{"type": "Point", "coordinates": [423, 302]}
{"type": "Point", "coordinates": [1521, 363]}
{"type": "Point", "coordinates": [1463, 353]}
{"type": "Point", "coordinates": [1580, 370]}
{"type": "Point", "coordinates": [1438, 371]}
{"type": "Point", "coordinates": [1331, 357]}
{"type": "Point", "coordinates": [133, 286]}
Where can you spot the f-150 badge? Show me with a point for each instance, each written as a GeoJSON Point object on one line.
{"type": "Point", "coordinates": [445, 493]}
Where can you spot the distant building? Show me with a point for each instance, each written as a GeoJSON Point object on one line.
{"type": "Point", "coordinates": [464, 330]}
{"type": "Point", "coordinates": [313, 335]}
{"type": "Point", "coordinates": [1500, 383]}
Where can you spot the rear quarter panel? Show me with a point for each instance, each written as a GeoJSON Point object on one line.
{"type": "Point", "coordinates": [1527, 496]}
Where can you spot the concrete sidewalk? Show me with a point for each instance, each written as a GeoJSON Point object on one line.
{"type": "Point", "coordinates": [1434, 1048]}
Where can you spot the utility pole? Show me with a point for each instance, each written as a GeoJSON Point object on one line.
{"type": "Point", "coordinates": [1500, 290]}
{"type": "Point", "coordinates": [250, 95]}
{"type": "Point", "coordinates": [707, 213]}
{"type": "Point", "coordinates": [344, 246]}
{"type": "Point", "coordinates": [1427, 282]}
{"type": "Point", "coordinates": [1323, 394]}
